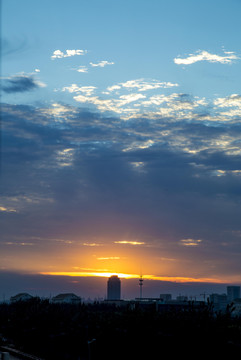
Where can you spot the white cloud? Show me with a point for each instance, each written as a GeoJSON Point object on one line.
{"type": "Point", "coordinates": [126, 99]}
{"type": "Point", "coordinates": [142, 85]}
{"type": "Point", "coordinates": [58, 54]}
{"type": "Point", "coordinates": [233, 100]}
{"type": "Point", "coordinates": [115, 105]}
{"type": "Point", "coordinates": [203, 55]}
{"type": "Point", "coordinates": [140, 145]}
{"type": "Point", "coordinates": [87, 90]}
{"type": "Point", "coordinates": [82, 69]}
{"type": "Point", "coordinates": [113, 88]}
{"type": "Point", "coordinates": [59, 112]}
{"type": "Point", "coordinates": [102, 63]}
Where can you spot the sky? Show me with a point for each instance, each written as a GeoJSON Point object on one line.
{"type": "Point", "coordinates": [120, 141]}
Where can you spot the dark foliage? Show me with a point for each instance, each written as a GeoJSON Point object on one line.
{"type": "Point", "coordinates": [101, 331]}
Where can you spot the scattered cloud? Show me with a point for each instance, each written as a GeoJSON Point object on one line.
{"type": "Point", "coordinates": [125, 242]}
{"type": "Point", "coordinates": [202, 55]}
{"type": "Point", "coordinates": [190, 242]}
{"type": "Point", "coordinates": [233, 100]}
{"type": "Point", "coordinates": [113, 105]}
{"type": "Point", "coordinates": [82, 69]}
{"type": "Point", "coordinates": [102, 63]}
{"type": "Point", "coordinates": [65, 157]}
{"type": "Point", "coordinates": [20, 83]}
{"type": "Point", "coordinates": [58, 54]}
{"type": "Point", "coordinates": [18, 243]}
{"type": "Point", "coordinates": [7, 210]}
{"type": "Point", "coordinates": [87, 90]}
{"type": "Point", "coordinates": [142, 85]}
{"type": "Point", "coordinates": [139, 145]}
{"type": "Point", "coordinates": [113, 88]}
{"type": "Point", "coordinates": [92, 244]}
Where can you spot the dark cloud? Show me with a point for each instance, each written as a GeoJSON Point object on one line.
{"type": "Point", "coordinates": [98, 176]}
{"type": "Point", "coordinates": [19, 83]}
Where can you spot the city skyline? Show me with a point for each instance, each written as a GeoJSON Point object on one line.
{"type": "Point", "coordinates": [120, 142]}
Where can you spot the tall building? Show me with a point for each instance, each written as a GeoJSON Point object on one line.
{"type": "Point", "coordinates": [233, 292]}
{"type": "Point", "coordinates": [113, 288]}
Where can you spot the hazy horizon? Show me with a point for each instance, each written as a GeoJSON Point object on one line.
{"type": "Point", "coordinates": [96, 288]}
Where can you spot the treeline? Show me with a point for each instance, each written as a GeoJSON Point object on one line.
{"type": "Point", "coordinates": [102, 331]}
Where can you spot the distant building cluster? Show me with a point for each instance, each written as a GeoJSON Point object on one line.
{"type": "Point", "coordinates": [164, 302]}
{"type": "Point", "coordinates": [232, 297]}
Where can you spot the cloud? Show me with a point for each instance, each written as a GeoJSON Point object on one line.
{"type": "Point", "coordinates": [142, 85]}
{"type": "Point", "coordinates": [233, 100]}
{"type": "Point", "coordinates": [20, 83]}
{"type": "Point", "coordinates": [82, 69]}
{"type": "Point", "coordinates": [175, 105]}
{"type": "Point", "coordinates": [102, 63]}
{"type": "Point", "coordinates": [113, 88]}
{"type": "Point", "coordinates": [190, 242]}
{"type": "Point", "coordinates": [87, 90]}
{"type": "Point", "coordinates": [113, 105]}
{"type": "Point", "coordinates": [4, 209]}
{"type": "Point", "coordinates": [203, 55]}
{"type": "Point", "coordinates": [125, 242]}
{"type": "Point", "coordinates": [230, 106]}
{"type": "Point", "coordinates": [58, 54]}
{"type": "Point", "coordinates": [81, 185]}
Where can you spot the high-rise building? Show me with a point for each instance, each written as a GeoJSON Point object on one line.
{"type": "Point", "coordinates": [233, 292]}
{"type": "Point", "coordinates": [113, 288]}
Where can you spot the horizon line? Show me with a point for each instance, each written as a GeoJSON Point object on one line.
{"type": "Point", "coordinates": [179, 279]}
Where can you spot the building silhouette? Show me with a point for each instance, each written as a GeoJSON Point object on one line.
{"type": "Point", "coordinates": [233, 292]}
{"type": "Point", "coordinates": [21, 297]}
{"type": "Point", "coordinates": [68, 298]}
{"type": "Point", "coordinates": [113, 288]}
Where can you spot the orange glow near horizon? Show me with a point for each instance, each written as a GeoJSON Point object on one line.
{"type": "Point", "coordinates": [128, 259]}
{"type": "Point", "coordinates": [135, 276]}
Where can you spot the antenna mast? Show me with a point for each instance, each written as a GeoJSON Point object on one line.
{"type": "Point", "coordinates": [141, 284]}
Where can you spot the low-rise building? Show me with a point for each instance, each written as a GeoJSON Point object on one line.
{"type": "Point", "coordinates": [21, 297]}
{"type": "Point", "coordinates": [182, 298]}
{"type": "Point", "coordinates": [165, 297]}
{"type": "Point", "coordinates": [68, 298]}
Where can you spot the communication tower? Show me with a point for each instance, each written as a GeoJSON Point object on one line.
{"type": "Point", "coordinates": [141, 284]}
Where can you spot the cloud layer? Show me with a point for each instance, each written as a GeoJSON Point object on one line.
{"type": "Point", "coordinates": [167, 185]}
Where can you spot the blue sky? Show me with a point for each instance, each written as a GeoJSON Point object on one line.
{"type": "Point", "coordinates": [141, 38]}
{"type": "Point", "coordinates": [121, 138]}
